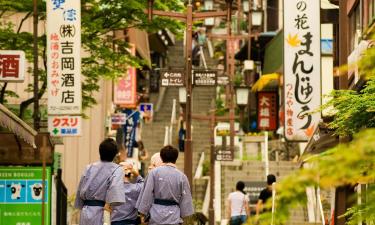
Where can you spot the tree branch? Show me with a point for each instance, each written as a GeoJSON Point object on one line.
{"type": "Point", "coordinates": [22, 21]}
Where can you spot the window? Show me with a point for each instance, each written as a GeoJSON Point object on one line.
{"type": "Point", "coordinates": [355, 31]}
{"type": "Point", "coordinates": [371, 11]}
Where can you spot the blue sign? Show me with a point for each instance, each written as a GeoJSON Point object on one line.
{"type": "Point", "coordinates": [129, 129]}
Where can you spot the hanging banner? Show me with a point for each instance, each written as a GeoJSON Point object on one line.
{"type": "Point", "coordinates": [21, 195]}
{"type": "Point", "coordinates": [267, 111]}
{"type": "Point", "coordinates": [130, 130]}
{"type": "Point", "coordinates": [64, 57]}
{"type": "Point", "coordinates": [12, 66]}
{"type": "Point", "coordinates": [65, 126]}
{"type": "Point", "coordinates": [125, 89]}
{"type": "Point", "coordinates": [302, 69]}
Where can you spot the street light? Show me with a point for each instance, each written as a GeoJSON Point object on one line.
{"type": "Point", "coordinates": [182, 95]}
{"type": "Point", "coordinates": [242, 96]}
{"type": "Point", "coordinates": [257, 18]}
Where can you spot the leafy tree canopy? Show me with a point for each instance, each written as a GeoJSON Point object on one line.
{"type": "Point", "coordinates": [99, 19]}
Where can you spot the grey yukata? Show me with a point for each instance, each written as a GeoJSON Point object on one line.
{"type": "Point", "coordinates": [166, 183]}
{"type": "Point", "coordinates": [128, 210]}
{"type": "Point", "coordinates": [101, 181]}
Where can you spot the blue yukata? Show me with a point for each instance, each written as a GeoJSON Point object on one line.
{"type": "Point", "coordinates": [166, 196]}
{"type": "Point", "coordinates": [101, 182]}
{"type": "Point", "coordinates": [126, 213]}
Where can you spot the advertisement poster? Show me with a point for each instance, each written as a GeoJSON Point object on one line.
{"type": "Point", "coordinates": [21, 195]}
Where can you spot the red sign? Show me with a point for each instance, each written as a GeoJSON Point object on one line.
{"type": "Point", "coordinates": [267, 110]}
{"type": "Point", "coordinates": [125, 90]}
{"type": "Point", "coordinates": [12, 66]}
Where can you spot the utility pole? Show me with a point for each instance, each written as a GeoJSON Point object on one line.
{"type": "Point", "coordinates": [189, 17]}
{"type": "Point", "coordinates": [35, 69]}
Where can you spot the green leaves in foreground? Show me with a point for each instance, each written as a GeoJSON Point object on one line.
{"type": "Point", "coordinates": [347, 164]}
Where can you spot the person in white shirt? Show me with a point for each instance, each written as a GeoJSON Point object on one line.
{"type": "Point", "coordinates": [238, 205]}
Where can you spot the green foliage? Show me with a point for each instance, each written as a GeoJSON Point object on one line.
{"type": "Point", "coordinates": [99, 19]}
{"type": "Point", "coordinates": [355, 110]}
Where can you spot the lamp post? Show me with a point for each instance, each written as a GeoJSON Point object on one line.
{"type": "Point", "coordinates": [242, 96]}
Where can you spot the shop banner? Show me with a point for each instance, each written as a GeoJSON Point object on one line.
{"type": "Point", "coordinates": [65, 126]}
{"type": "Point", "coordinates": [21, 195]}
{"type": "Point", "coordinates": [267, 111]}
{"type": "Point", "coordinates": [302, 68]}
{"type": "Point", "coordinates": [12, 66]}
{"type": "Point", "coordinates": [64, 57]}
{"type": "Point", "coordinates": [125, 89]}
{"type": "Point", "coordinates": [130, 130]}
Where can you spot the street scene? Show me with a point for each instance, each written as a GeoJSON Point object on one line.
{"type": "Point", "coordinates": [194, 112]}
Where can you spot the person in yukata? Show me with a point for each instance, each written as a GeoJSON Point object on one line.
{"type": "Point", "coordinates": [166, 197]}
{"type": "Point", "coordinates": [101, 182]}
{"type": "Point", "coordinates": [127, 213]}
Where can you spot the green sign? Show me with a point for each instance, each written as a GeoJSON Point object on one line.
{"type": "Point", "coordinates": [21, 196]}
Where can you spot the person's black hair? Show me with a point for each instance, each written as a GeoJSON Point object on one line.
{"type": "Point", "coordinates": [108, 150]}
{"type": "Point", "coordinates": [271, 179]}
{"type": "Point", "coordinates": [240, 186]}
{"type": "Point", "coordinates": [169, 154]}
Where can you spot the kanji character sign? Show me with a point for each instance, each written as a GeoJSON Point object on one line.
{"type": "Point", "coordinates": [12, 66]}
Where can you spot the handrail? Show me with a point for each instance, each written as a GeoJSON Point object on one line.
{"type": "Point", "coordinates": [199, 170]}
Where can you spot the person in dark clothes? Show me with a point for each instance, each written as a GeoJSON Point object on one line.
{"type": "Point", "coordinates": [265, 194]}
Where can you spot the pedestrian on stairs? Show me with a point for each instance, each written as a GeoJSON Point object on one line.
{"type": "Point", "coordinates": [166, 196]}
{"type": "Point", "coordinates": [238, 205]}
{"type": "Point", "coordinates": [265, 194]}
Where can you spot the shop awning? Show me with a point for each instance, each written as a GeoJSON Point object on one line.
{"type": "Point", "coordinates": [17, 126]}
{"type": "Point", "coordinates": [266, 81]}
{"type": "Point", "coordinates": [273, 57]}
{"type": "Point", "coordinates": [140, 39]}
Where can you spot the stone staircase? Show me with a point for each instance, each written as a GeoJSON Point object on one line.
{"type": "Point", "coordinates": [255, 171]}
{"type": "Point", "coordinates": [153, 134]}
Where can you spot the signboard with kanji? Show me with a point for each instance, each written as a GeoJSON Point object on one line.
{"type": "Point", "coordinates": [204, 78]}
{"type": "Point", "coordinates": [12, 66]}
{"type": "Point", "coordinates": [253, 189]}
{"type": "Point", "coordinates": [21, 195]}
{"type": "Point", "coordinates": [125, 89]}
{"type": "Point", "coordinates": [64, 57]}
{"type": "Point", "coordinates": [223, 153]}
{"type": "Point", "coordinates": [65, 126]}
{"type": "Point", "coordinates": [130, 130]}
{"type": "Point", "coordinates": [302, 68]}
{"type": "Point", "coordinates": [223, 80]}
{"type": "Point", "coordinates": [172, 78]}
{"type": "Point", "coordinates": [118, 119]}
{"type": "Point", "coordinates": [147, 111]}
{"type": "Point", "coordinates": [267, 110]}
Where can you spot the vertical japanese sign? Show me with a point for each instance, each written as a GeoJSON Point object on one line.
{"type": "Point", "coordinates": [267, 110]}
{"type": "Point", "coordinates": [64, 56]}
{"type": "Point", "coordinates": [21, 196]}
{"type": "Point", "coordinates": [302, 69]}
{"type": "Point", "coordinates": [130, 130]}
{"type": "Point", "coordinates": [125, 90]}
{"type": "Point", "coordinates": [12, 66]}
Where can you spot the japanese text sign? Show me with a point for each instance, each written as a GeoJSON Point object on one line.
{"type": "Point", "coordinates": [205, 78]}
{"type": "Point", "coordinates": [267, 110]}
{"type": "Point", "coordinates": [65, 126]}
{"type": "Point", "coordinates": [125, 90]}
{"type": "Point", "coordinates": [12, 66]}
{"type": "Point", "coordinates": [302, 68]}
{"type": "Point", "coordinates": [224, 153]}
{"type": "Point", "coordinates": [64, 56]}
{"type": "Point", "coordinates": [130, 130]}
{"type": "Point", "coordinates": [174, 78]}
{"type": "Point", "coordinates": [253, 189]}
{"type": "Point", "coordinates": [118, 119]}
{"type": "Point", "coordinates": [21, 195]}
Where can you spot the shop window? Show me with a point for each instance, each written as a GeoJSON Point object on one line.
{"type": "Point", "coordinates": [371, 12]}
{"type": "Point", "coordinates": [355, 31]}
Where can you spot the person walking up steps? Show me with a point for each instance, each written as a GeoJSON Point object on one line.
{"type": "Point", "coordinates": [238, 205]}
